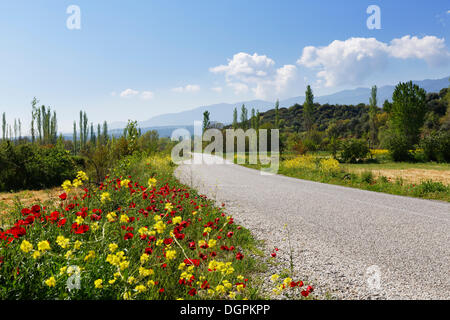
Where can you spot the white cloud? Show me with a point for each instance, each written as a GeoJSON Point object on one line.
{"type": "Point", "coordinates": [352, 60]}
{"type": "Point", "coordinates": [147, 95]}
{"type": "Point", "coordinates": [448, 12]}
{"type": "Point", "coordinates": [217, 89]}
{"type": "Point", "coordinates": [129, 93]}
{"type": "Point", "coordinates": [187, 88]}
{"type": "Point", "coordinates": [256, 72]}
{"type": "Point", "coordinates": [429, 48]}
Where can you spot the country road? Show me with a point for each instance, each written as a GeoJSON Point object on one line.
{"type": "Point", "coordinates": [337, 233]}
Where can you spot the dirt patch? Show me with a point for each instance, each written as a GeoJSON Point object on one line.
{"type": "Point", "coordinates": [413, 175]}
{"type": "Point", "coordinates": [27, 199]}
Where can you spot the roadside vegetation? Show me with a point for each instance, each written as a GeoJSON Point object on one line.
{"type": "Point", "coordinates": [402, 148]}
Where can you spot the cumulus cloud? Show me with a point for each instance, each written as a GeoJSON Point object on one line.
{"type": "Point", "coordinates": [429, 48]}
{"type": "Point", "coordinates": [187, 88]}
{"type": "Point", "coordinates": [352, 60]}
{"type": "Point", "coordinates": [129, 93]}
{"type": "Point", "coordinates": [147, 95]}
{"type": "Point", "coordinates": [257, 73]}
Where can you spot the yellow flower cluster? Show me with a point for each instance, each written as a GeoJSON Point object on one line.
{"type": "Point", "coordinates": [111, 216]}
{"type": "Point", "coordinates": [151, 182]}
{"type": "Point", "coordinates": [302, 162]}
{"type": "Point", "coordinates": [89, 256]}
{"type": "Point", "coordinates": [224, 267]}
{"type": "Point", "coordinates": [105, 197]}
{"type": "Point", "coordinates": [119, 260]}
{"type": "Point", "coordinates": [77, 182]}
{"type": "Point", "coordinates": [329, 165]}
{"type": "Point", "coordinates": [62, 242]}
{"type": "Point", "coordinates": [125, 183]}
{"type": "Point", "coordinates": [26, 246]}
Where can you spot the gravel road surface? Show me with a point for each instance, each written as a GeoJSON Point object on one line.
{"type": "Point", "coordinates": [349, 243]}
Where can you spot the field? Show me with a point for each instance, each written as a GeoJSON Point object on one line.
{"type": "Point", "coordinates": [138, 235]}
{"type": "Point", "coordinates": [409, 172]}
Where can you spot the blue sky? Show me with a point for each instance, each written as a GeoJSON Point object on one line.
{"type": "Point", "coordinates": [138, 59]}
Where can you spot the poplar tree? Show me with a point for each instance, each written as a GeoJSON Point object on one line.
{"type": "Point", "coordinates": [309, 109]}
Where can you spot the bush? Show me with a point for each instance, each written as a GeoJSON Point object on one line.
{"type": "Point", "coordinates": [436, 146]}
{"type": "Point", "coordinates": [354, 150]}
{"type": "Point", "coordinates": [367, 177]}
{"type": "Point", "coordinates": [398, 147]}
{"type": "Point", "coordinates": [430, 186]}
{"type": "Point", "coordinates": [29, 166]}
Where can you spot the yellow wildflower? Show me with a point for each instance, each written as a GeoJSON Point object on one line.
{"type": "Point", "coordinates": [151, 182]}
{"type": "Point", "coordinates": [98, 284]}
{"type": "Point", "coordinates": [113, 247]}
{"type": "Point", "coordinates": [36, 254]}
{"type": "Point", "coordinates": [67, 186]}
{"type": "Point", "coordinates": [62, 241]}
{"type": "Point", "coordinates": [50, 282]}
{"type": "Point", "coordinates": [105, 197]}
{"type": "Point", "coordinates": [62, 270]}
{"type": "Point", "coordinates": [212, 243]}
{"type": "Point", "coordinates": [140, 288]}
{"type": "Point", "coordinates": [111, 216]}
{"type": "Point", "coordinates": [274, 277]}
{"type": "Point", "coordinates": [91, 255]}
{"type": "Point", "coordinates": [125, 183]}
{"type": "Point", "coordinates": [79, 220]}
{"type": "Point", "coordinates": [77, 244]}
{"type": "Point", "coordinates": [145, 272]}
{"type": "Point", "coordinates": [81, 175]}
{"type": "Point", "coordinates": [171, 254]}
{"type": "Point", "coordinates": [169, 206]}
{"type": "Point", "coordinates": [144, 258]}
{"type": "Point", "coordinates": [26, 246]}
{"type": "Point", "coordinates": [124, 218]}
{"type": "Point", "coordinates": [95, 226]}
{"type": "Point", "coordinates": [177, 220]}
{"type": "Point", "coordinates": [44, 246]}
{"type": "Point", "coordinates": [131, 280]}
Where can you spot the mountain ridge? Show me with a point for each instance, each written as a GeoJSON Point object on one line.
{"type": "Point", "coordinates": [223, 112]}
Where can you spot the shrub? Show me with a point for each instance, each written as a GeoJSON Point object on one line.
{"type": "Point", "coordinates": [329, 166]}
{"type": "Point", "coordinates": [367, 177]}
{"type": "Point", "coordinates": [29, 166]}
{"type": "Point", "coordinates": [398, 147]}
{"type": "Point", "coordinates": [430, 186]}
{"type": "Point", "coordinates": [354, 150]}
{"type": "Point", "coordinates": [436, 146]}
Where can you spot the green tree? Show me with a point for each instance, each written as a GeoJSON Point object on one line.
{"type": "Point", "coordinates": [408, 111]}
{"type": "Point", "coordinates": [235, 119]}
{"type": "Point", "coordinates": [244, 117]}
{"type": "Point", "coordinates": [373, 110]}
{"type": "Point", "coordinates": [309, 109]}
{"type": "Point", "coordinates": [206, 122]}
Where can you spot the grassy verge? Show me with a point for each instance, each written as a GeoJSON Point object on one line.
{"type": "Point", "coordinates": [139, 235]}
{"type": "Point", "coordinates": [313, 168]}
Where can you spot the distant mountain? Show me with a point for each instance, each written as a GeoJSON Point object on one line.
{"type": "Point", "coordinates": [361, 95]}
{"type": "Point", "coordinates": [223, 112]}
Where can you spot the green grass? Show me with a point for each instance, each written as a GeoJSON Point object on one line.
{"type": "Point", "coordinates": [365, 180]}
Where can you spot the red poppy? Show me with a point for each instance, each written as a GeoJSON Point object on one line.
{"type": "Point", "coordinates": [230, 234]}
{"type": "Point", "coordinates": [192, 245]}
{"type": "Point", "coordinates": [168, 241]}
{"type": "Point", "coordinates": [195, 262]}
{"type": "Point", "coordinates": [128, 236]}
{"type": "Point", "coordinates": [305, 293]}
{"type": "Point", "coordinates": [310, 289]}
{"type": "Point", "coordinates": [239, 256]}
{"type": "Point", "coordinates": [63, 196]}
{"type": "Point", "coordinates": [192, 292]}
